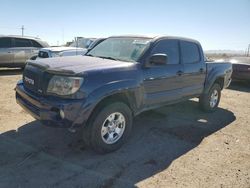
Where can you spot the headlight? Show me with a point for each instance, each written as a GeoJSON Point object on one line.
{"type": "Point", "coordinates": [62, 85]}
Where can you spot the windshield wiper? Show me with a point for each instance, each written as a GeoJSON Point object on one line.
{"type": "Point", "coordinates": [89, 55]}
{"type": "Point", "coordinates": [104, 57]}
{"type": "Point", "coordinates": [111, 58]}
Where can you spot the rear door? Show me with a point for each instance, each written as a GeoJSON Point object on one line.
{"type": "Point", "coordinates": [194, 68]}
{"type": "Point", "coordinates": [22, 50]}
{"type": "Point", "coordinates": [162, 83]}
{"type": "Point", "coordinates": [6, 53]}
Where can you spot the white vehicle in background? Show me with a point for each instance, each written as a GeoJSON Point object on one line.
{"type": "Point", "coordinates": [60, 52]}
{"type": "Point", "coordinates": [78, 47]}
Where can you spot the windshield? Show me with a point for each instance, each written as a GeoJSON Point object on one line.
{"type": "Point", "coordinates": [125, 49]}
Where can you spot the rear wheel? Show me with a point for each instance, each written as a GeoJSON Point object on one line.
{"type": "Point", "coordinates": [109, 128]}
{"type": "Point", "coordinates": [210, 101]}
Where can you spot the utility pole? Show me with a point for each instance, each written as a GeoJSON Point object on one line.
{"type": "Point", "coordinates": [22, 28]}
{"type": "Point", "coordinates": [248, 51]}
{"type": "Point", "coordinates": [63, 36]}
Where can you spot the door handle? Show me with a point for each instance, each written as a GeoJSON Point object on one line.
{"type": "Point", "coordinates": [179, 73]}
{"type": "Point", "coordinates": [9, 52]}
{"type": "Point", "coordinates": [201, 70]}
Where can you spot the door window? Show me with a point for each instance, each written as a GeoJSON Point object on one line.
{"type": "Point", "coordinates": [190, 52]}
{"type": "Point", "coordinates": [22, 43]}
{"type": "Point", "coordinates": [5, 42]}
{"type": "Point", "coordinates": [36, 44]}
{"type": "Point", "coordinates": [170, 48]}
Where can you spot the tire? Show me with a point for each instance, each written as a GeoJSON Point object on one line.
{"type": "Point", "coordinates": [210, 101]}
{"type": "Point", "coordinates": [107, 123]}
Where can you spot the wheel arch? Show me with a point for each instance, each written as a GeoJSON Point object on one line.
{"type": "Point", "coordinates": [126, 97]}
{"type": "Point", "coordinates": [219, 79]}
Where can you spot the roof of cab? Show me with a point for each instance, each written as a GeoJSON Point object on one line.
{"type": "Point", "coordinates": [156, 37]}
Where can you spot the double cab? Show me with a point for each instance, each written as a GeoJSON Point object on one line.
{"type": "Point", "coordinates": [117, 80]}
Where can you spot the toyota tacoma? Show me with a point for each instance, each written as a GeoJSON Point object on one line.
{"type": "Point", "coordinates": [117, 80]}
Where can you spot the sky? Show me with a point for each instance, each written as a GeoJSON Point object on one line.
{"type": "Point", "coordinates": [217, 24]}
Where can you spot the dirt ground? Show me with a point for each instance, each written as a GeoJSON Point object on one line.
{"type": "Point", "coordinates": [174, 146]}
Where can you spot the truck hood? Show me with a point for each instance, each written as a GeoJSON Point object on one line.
{"type": "Point", "coordinates": [78, 64]}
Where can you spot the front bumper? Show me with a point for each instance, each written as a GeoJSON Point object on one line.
{"type": "Point", "coordinates": [47, 109]}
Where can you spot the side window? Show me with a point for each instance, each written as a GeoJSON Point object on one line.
{"type": "Point", "coordinates": [36, 44]}
{"type": "Point", "coordinates": [190, 52]}
{"type": "Point", "coordinates": [5, 42]}
{"type": "Point", "coordinates": [169, 47]}
{"type": "Point", "coordinates": [22, 42]}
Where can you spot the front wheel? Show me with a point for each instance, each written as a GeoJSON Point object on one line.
{"type": "Point", "coordinates": [210, 101]}
{"type": "Point", "coordinates": [110, 127]}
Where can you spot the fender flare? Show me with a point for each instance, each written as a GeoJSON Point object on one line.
{"type": "Point", "coordinates": [128, 87]}
{"type": "Point", "coordinates": [212, 77]}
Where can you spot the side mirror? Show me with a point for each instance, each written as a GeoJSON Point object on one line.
{"type": "Point", "coordinates": [157, 59]}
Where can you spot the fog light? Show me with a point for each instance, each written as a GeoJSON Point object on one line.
{"type": "Point", "coordinates": [62, 114]}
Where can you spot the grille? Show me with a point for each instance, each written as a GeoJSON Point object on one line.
{"type": "Point", "coordinates": [33, 79]}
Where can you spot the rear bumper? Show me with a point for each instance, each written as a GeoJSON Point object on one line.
{"type": "Point", "coordinates": [47, 110]}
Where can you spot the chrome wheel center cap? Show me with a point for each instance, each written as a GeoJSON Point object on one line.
{"type": "Point", "coordinates": [112, 127]}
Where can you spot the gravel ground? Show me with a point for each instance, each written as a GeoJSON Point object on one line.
{"type": "Point", "coordinates": [174, 146]}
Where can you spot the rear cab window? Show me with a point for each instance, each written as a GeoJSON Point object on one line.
{"type": "Point", "coordinates": [43, 54]}
{"type": "Point", "coordinates": [190, 52]}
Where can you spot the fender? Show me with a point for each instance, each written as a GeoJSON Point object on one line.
{"type": "Point", "coordinates": [130, 87]}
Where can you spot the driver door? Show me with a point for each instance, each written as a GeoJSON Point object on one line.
{"type": "Point", "coordinates": [162, 83]}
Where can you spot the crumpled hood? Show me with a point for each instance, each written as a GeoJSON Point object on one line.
{"type": "Point", "coordinates": [78, 64]}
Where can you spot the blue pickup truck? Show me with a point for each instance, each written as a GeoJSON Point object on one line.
{"type": "Point", "coordinates": [117, 80]}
